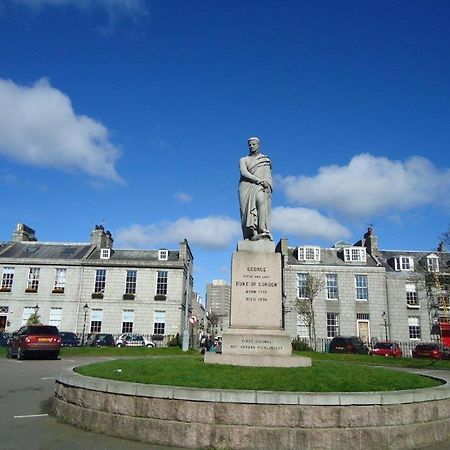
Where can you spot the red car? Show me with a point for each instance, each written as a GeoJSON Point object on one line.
{"type": "Point", "coordinates": [34, 339]}
{"type": "Point", "coordinates": [433, 351]}
{"type": "Point", "coordinates": [386, 349]}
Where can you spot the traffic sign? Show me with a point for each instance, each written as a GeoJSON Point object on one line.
{"type": "Point", "coordinates": [193, 319]}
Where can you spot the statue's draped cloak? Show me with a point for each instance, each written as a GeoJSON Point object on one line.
{"type": "Point", "coordinates": [260, 167]}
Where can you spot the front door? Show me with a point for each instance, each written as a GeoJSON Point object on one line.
{"type": "Point", "coordinates": [2, 323]}
{"type": "Point", "coordinates": [363, 330]}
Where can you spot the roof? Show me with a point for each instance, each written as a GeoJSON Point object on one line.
{"type": "Point", "coordinates": [386, 258]}
{"type": "Point", "coordinates": [40, 250]}
{"type": "Point", "coordinates": [135, 255]}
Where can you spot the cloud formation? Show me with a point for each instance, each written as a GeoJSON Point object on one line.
{"type": "Point", "coordinates": [207, 232]}
{"type": "Point", "coordinates": [38, 126]}
{"type": "Point", "coordinates": [307, 223]}
{"type": "Point", "coordinates": [370, 186]}
{"type": "Point", "coordinates": [183, 197]}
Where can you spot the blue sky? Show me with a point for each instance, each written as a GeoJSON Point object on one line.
{"type": "Point", "coordinates": [134, 114]}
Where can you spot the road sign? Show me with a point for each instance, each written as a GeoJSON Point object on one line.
{"type": "Point", "coordinates": [193, 319]}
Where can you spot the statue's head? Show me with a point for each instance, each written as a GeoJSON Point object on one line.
{"type": "Point", "coordinates": [253, 145]}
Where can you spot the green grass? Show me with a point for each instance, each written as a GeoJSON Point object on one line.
{"type": "Point", "coordinates": [67, 352]}
{"type": "Point", "coordinates": [323, 376]}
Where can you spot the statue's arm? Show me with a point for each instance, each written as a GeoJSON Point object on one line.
{"type": "Point", "coordinates": [245, 172]}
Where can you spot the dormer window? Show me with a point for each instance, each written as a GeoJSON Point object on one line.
{"type": "Point", "coordinates": [403, 263]}
{"type": "Point", "coordinates": [308, 253]}
{"type": "Point", "coordinates": [105, 253]}
{"type": "Point", "coordinates": [355, 254]}
{"type": "Point", "coordinates": [163, 255]}
{"type": "Point", "coordinates": [432, 263]}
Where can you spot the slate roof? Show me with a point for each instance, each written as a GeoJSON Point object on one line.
{"type": "Point", "coordinates": [330, 257]}
{"type": "Point", "coordinates": [41, 250]}
{"type": "Point", "coordinates": [386, 258]}
{"type": "Point", "coordinates": [134, 255]}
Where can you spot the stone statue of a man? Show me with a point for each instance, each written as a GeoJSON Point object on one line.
{"type": "Point", "coordinates": [255, 193]}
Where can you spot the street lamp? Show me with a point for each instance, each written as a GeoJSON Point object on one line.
{"type": "Point", "coordinates": [385, 324]}
{"type": "Point", "coordinates": [36, 309]}
{"type": "Point", "coordinates": [85, 308]}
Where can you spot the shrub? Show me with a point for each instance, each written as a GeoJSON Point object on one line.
{"type": "Point", "coordinates": [300, 345]}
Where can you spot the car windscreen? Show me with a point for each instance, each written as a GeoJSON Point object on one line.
{"type": "Point", "coordinates": [384, 345]}
{"type": "Point", "coordinates": [41, 330]}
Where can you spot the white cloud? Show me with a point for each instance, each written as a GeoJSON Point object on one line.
{"type": "Point", "coordinates": [38, 126]}
{"type": "Point", "coordinates": [307, 223]}
{"type": "Point", "coordinates": [132, 8]}
{"type": "Point", "coordinates": [208, 232]}
{"type": "Point", "coordinates": [371, 185]}
{"type": "Point", "coordinates": [183, 197]}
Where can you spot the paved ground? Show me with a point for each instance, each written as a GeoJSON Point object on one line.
{"type": "Point", "coordinates": [26, 391]}
{"type": "Point", "coordinates": [26, 422]}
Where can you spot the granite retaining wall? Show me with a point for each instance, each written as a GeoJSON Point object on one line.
{"type": "Point", "coordinates": [227, 419]}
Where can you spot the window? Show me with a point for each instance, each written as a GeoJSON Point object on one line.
{"type": "Point", "coordinates": [432, 263]}
{"type": "Point", "coordinates": [308, 253]}
{"type": "Point", "coordinates": [105, 253]}
{"type": "Point", "coordinates": [302, 290]}
{"type": "Point", "coordinates": [412, 299]}
{"type": "Point", "coordinates": [332, 325]}
{"type": "Point", "coordinates": [163, 255]}
{"type": "Point", "coordinates": [332, 286]}
{"type": "Point", "coordinates": [302, 327]}
{"type": "Point", "coordinates": [405, 263]}
{"type": "Point", "coordinates": [130, 283]}
{"type": "Point", "coordinates": [55, 317]}
{"type": "Point", "coordinates": [100, 280]}
{"type": "Point", "coordinates": [7, 279]}
{"type": "Point", "coordinates": [28, 311]}
{"type": "Point", "coordinates": [127, 320]}
{"type": "Point", "coordinates": [159, 323]}
{"type": "Point", "coordinates": [96, 320]}
{"type": "Point", "coordinates": [414, 327]}
{"type": "Point", "coordinates": [352, 254]}
{"type": "Point", "coordinates": [161, 282]}
{"type": "Point", "coordinates": [362, 316]}
{"type": "Point", "coordinates": [33, 279]}
{"type": "Point", "coordinates": [60, 280]}
{"type": "Point", "coordinates": [361, 287]}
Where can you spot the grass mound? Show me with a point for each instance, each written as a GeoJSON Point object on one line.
{"type": "Point", "coordinates": [323, 376]}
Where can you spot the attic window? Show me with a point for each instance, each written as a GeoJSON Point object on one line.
{"type": "Point", "coordinates": [355, 254]}
{"type": "Point", "coordinates": [432, 263]}
{"type": "Point", "coordinates": [308, 253]}
{"type": "Point", "coordinates": [404, 263]}
{"type": "Point", "coordinates": [163, 255]}
{"type": "Point", "coordinates": [105, 253]}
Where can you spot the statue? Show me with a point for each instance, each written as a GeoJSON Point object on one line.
{"type": "Point", "coordinates": [255, 193]}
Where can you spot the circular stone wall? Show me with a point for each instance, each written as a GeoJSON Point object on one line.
{"type": "Point", "coordinates": [213, 418]}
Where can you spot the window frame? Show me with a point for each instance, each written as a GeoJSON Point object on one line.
{"type": "Point", "coordinates": [361, 288]}
{"type": "Point", "coordinates": [414, 330]}
{"type": "Point", "coordinates": [130, 281]}
{"type": "Point", "coordinates": [412, 297]}
{"type": "Point", "coordinates": [332, 324]}
{"type": "Point", "coordinates": [302, 285]}
{"type": "Point", "coordinates": [100, 281]}
{"type": "Point", "coordinates": [355, 254]}
{"type": "Point", "coordinates": [34, 275]}
{"type": "Point", "coordinates": [95, 325]}
{"type": "Point", "coordinates": [7, 279]}
{"type": "Point", "coordinates": [308, 253]}
{"type": "Point", "coordinates": [404, 263]}
{"type": "Point", "coordinates": [162, 282]}
{"type": "Point", "coordinates": [59, 284]}
{"type": "Point", "coordinates": [332, 288]}
{"type": "Point", "coordinates": [160, 325]}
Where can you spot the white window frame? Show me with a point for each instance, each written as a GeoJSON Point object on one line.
{"type": "Point", "coordinates": [34, 275]}
{"type": "Point", "coordinates": [95, 324]}
{"type": "Point", "coordinates": [332, 325]}
{"type": "Point", "coordinates": [100, 281]}
{"type": "Point", "coordinates": [308, 253]}
{"type": "Point", "coordinates": [412, 298]}
{"type": "Point", "coordinates": [159, 321]}
{"type": "Point", "coordinates": [105, 253]}
{"type": "Point", "coordinates": [359, 288]}
{"type": "Point", "coordinates": [332, 288]}
{"type": "Point", "coordinates": [414, 328]}
{"type": "Point", "coordinates": [355, 254]}
{"type": "Point", "coordinates": [403, 263]}
{"type": "Point", "coordinates": [27, 312]}
{"type": "Point", "coordinates": [432, 263]}
{"type": "Point", "coordinates": [127, 320]}
{"type": "Point", "coordinates": [163, 254]}
{"type": "Point", "coordinates": [55, 317]}
{"type": "Point", "coordinates": [130, 282]}
{"type": "Point", "coordinates": [7, 278]}
{"type": "Point", "coordinates": [60, 279]}
{"type": "Point", "coordinates": [162, 282]}
{"type": "Point", "coordinates": [302, 326]}
{"type": "Point", "coordinates": [302, 280]}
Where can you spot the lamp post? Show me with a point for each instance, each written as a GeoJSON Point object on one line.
{"type": "Point", "coordinates": [385, 324]}
{"type": "Point", "coordinates": [85, 308]}
{"type": "Point", "coordinates": [36, 309]}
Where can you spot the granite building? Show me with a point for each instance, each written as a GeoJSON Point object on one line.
{"type": "Point", "coordinates": [93, 286]}
{"type": "Point", "coordinates": [218, 295]}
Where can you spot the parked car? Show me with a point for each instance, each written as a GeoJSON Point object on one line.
{"type": "Point", "coordinates": [34, 339]}
{"type": "Point", "coordinates": [3, 340]}
{"type": "Point", "coordinates": [432, 350]}
{"type": "Point", "coordinates": [386, 348]}
{"type": "Point", "coordinates": [101, 340]}
{"type": "Point", "coordinates": [133, 340]}
{"type": "Point", "coordinates": [69, 339]}
{"type": "Point", "coordinates": [348, 344]}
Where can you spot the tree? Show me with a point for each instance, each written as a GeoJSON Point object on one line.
{"type": "Point", "coordinates": [34, 319]}
{"type": "Point", "coordinates": [312, 286]}
{"type": "Point", "coordinates": [445, 236]}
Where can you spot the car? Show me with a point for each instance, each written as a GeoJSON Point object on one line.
{"type": "Point", "coordinates": [431, 350]}
{"type": "Point", "coordinates": [34, 340]}
{"type": "Point", "coordinates": [101, 340]}
{"type": "Point", "coordinates": [69, 339]}
{"type": "Point", "coordinates": [347, 344]}
{"type": "Point", "coordinates": [133, 340]}
{"type": "Point", "coordinates": [386, 348]}
{"type": "Point", "coordinates": [3, 339]}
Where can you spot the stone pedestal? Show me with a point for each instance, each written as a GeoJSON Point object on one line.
{"type": "Point", "coordinates": [256, 336]}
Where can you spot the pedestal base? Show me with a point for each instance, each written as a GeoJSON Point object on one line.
{"type": "Point", "coordinates": [257, 360]}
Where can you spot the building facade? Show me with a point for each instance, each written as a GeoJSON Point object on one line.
{"type": "Point", "coordinates": [367, 292]}
{"type": "Point", "coordinates": [93, 287]}
{"type": "Point", "coordinates": [218, 297]}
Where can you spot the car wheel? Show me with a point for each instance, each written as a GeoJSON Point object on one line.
{"type": "Point", "coordinates": [55, 355]}
{"type": "Point", "coordinates": [20, 354]}
{"type": "Point", "coordinates": [149, 345]}
{"type": "Point", "coordinates": [119, 345]}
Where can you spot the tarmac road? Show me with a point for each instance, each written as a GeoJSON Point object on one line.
{"type": "Point", "coordinates": [26, 420]}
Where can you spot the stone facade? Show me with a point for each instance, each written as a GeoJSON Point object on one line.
{"type": "Point", "coordinates": [403, 295]}
{"type": "Point", "coordinates": [145, 288]}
